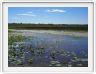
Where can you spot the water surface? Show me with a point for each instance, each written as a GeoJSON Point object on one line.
{"type": "Point", "coordinates": [51, 50]}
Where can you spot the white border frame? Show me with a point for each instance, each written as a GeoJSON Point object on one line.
{"type": "Point", "coordinates": [48, 0]}
{"type": "Point", "coordinates": [94, 36]}
{"type": "Point", "coordinates": [48, 73]}
{"type": "Point", "coordinates": [90, 68]}
{"type": "Point", "coordinates": [0, 36]}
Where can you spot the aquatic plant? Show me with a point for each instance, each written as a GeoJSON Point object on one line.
{"type": "Point", "coordinates": [69, 65]}
{"type": "Point", "coordinates": [15, 54]}
{"type": "Point", "coordinates": [53, 53]}
{"type": "Point", "coordinates": [31, 50]}
{"type": "Point", "coordinates": [19, 62]}
{"type": "Point", "coordinates": [12, 52]}
{"type": "Point", "coordinates": [58, 65]}
{"type": "Point", "coordinates": [73, 53]}
{"type": "Point", "coordinates": [11, 58]}
{"type": "Point", "coordinates": [76, 37]}
{"type": "Point", "coordinates": [15, 38]}
{"type": "Point", "coordinates": [30, 61]}
{"type": "Point", "coordinates": [62, 52]}
{"type": "Point", "coordinates": [65, 63]}
{"type": "Point", "coordinates": [79, 64]}
{"type": "Point", "coordinates": [9, 30]}
{"type": "Point", "coordinates": [55, 64]}
{"type": "Point", "coordinates": [40, 51]}
{"type": "Point", "coordinates": [75, 57]}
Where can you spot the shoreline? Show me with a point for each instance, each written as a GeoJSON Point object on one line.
{"type": "Point", "coordinates": [55, 32]}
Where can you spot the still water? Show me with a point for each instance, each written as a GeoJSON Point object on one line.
{"type": "Point", "coordinates": [49, 50]}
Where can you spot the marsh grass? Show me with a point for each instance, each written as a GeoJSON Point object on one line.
{"type": "Point", "coordinates": [15, 38]}
{"type": "Point", "coordinates": [9, 30]}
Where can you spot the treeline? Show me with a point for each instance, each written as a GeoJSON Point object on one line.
{"type": "Point", "coordinates": [81, 27]}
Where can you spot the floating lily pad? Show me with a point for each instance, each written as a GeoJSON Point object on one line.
{"type": "Point", "coordinates": [19, 62]}
{"type": "Point", "coordinates": [55, 64]}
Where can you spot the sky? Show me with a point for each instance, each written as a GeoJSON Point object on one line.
{"type": "Point", "coordinates": [51, 15]}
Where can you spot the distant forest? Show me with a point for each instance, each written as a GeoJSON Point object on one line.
{"type": "Point", "coordinates": [75, 27]}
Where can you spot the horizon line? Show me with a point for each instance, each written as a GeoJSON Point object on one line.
{"type": "Point", "coordinates": [46, 23]}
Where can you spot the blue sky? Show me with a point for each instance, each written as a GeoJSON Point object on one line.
{"type": "Point", "coordinates": [54, 15]}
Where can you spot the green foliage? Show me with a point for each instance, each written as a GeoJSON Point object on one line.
{"type": "Point", "coordinates": [10, 30]}
{"type": "Point", "coordinates": [55, 64]}
{"type": "Point", "coordinates": [19, 62]}
{"type": "Point", "coordinates": [15, 38]}
{"type": "Point", "coordinates": [40, 51]}
{"type": "Point", "coordinates": [30, 61]}
{"type": "Point", "coordinates": [75, 27]}
{"type": "Point", "coordinates": [12, 52]}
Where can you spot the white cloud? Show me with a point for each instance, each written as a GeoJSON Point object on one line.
{"type": "Point", "coordinates": [26, 14]}
{"type": "Point", "coordinates": [56, 10]}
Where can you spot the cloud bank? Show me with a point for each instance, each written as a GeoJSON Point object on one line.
{"type": "Point", "coordinates": [56, 10]}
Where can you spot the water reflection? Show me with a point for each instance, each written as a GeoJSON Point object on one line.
{"type": "Point", "coordinates": [49, 50]}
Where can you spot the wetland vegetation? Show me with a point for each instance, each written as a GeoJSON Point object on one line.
{"type": "Point", "coordinates": [47, 46]}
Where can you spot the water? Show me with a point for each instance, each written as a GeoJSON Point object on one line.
{"type": "Point", "coordinates": [49, 50]}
